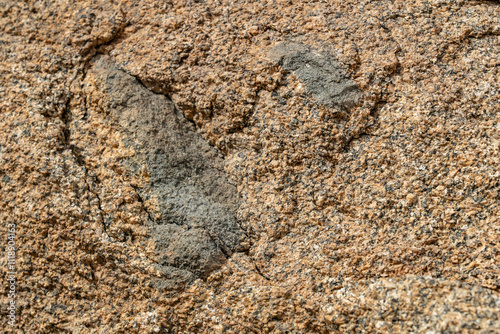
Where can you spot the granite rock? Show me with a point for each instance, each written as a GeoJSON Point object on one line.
{"type": "Point", "coordinates": [362, 139]}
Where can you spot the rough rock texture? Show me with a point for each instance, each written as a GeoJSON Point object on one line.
{"type": "Point", "coordinates": [362, 137]}
{"type": "Point", "coordinates": [195, 227]}
{"type": "Point", "coordinates": [324, 78]}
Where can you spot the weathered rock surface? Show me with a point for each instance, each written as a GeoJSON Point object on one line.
{"type": "Point", "coordinates": [323, 76]}
{"type": "Point", "coordinates": [362, 139]}
{"type": "Point", "coordinates": [196, 227]}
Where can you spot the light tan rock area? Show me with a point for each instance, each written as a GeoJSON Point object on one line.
{"type": "Point", "coordinates": [274, 166]}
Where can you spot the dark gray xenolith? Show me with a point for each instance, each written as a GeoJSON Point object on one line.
{"type": "Point", "coordinates": [322, 75]}
{"type": "Point", "coordinates": [198, 229]}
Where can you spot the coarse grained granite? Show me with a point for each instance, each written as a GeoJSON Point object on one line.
{"type": "Point", "coordinates": [376, 215]}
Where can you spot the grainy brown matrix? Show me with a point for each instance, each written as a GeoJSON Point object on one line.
{"type": "Point", "coordinates": [250, 166]}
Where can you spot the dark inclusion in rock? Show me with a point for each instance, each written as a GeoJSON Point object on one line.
{"type": "Point", "coordinates": [198, 229]}
{"type": "Point", "coordinates": [323, 76]}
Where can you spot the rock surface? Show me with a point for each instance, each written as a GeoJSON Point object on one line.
{"type": "Point", "coordinates": [195, 227]}
{"type": "Point", "coordinates": [323, 76]}
{"type": "Point", "coordinates": [362, 139]}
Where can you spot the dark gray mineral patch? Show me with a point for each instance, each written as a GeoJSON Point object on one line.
{"type": "Point", "coordinates": [198, 229]}
{"type": "Point", "coordinates": [323, 76]}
